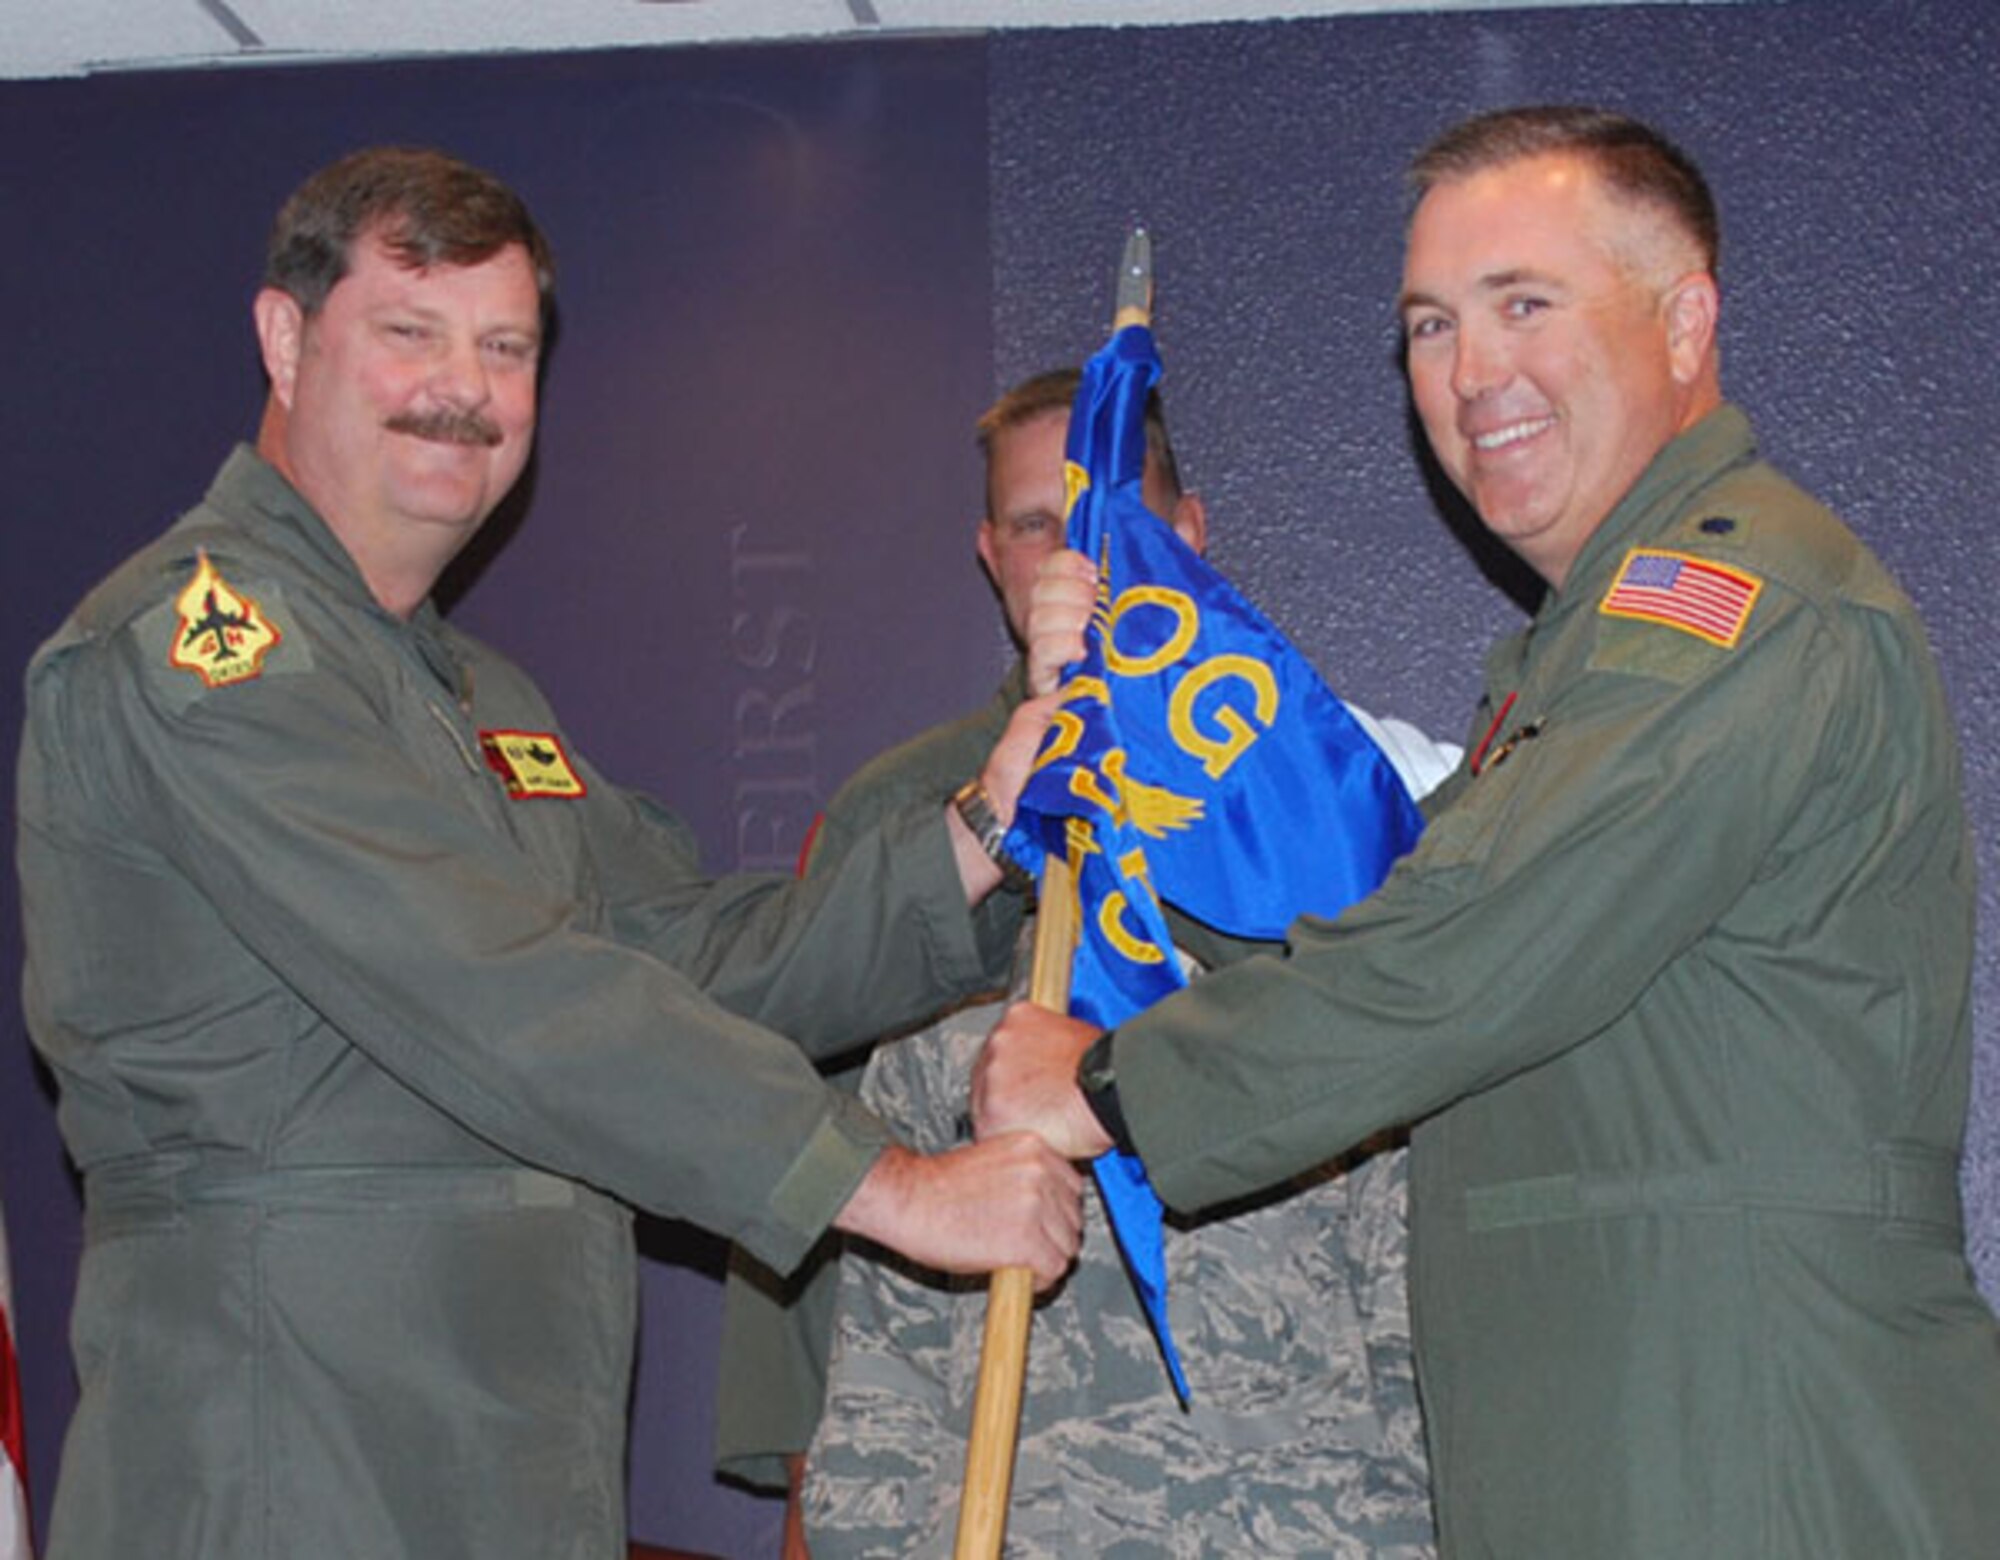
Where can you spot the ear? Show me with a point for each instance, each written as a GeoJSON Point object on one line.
{"type": "Point", "coordinates": [1190, 521]}
{"type": "Point", "coordinates": [983, 542]}
{"type": "Point", "coordinates": [1691, 307]}
{"type": "Point", "coordinates": [281, 331]}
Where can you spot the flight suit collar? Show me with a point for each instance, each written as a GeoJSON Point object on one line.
{"type": "Point", "coordinates": [251, 491]}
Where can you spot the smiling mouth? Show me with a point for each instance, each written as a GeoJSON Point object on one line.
{"type": "Point", "coordinates": [1513, 433]}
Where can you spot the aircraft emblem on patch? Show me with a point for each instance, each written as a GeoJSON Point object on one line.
{"type": "Point", "coordinates": [223, 635]}
{"type": "Point", "coordinates": [532, 763]}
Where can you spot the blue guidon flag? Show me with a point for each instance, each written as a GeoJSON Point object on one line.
{"type": "Point", "coordinates": [1197, 759]}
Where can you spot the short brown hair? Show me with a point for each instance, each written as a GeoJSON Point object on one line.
{"type": "Point", "coordinates": [1636, 162]}
{"type": "Point", "coordinates": [426, 207]}
{"type": "Point", "coordinates": [1054, 390]}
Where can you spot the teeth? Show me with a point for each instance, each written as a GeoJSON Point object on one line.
{"type": "Point", "coordinates": [1513, 433]}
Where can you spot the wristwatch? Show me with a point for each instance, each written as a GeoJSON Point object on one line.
{"type": "Point", "coordinates": [973, 805]}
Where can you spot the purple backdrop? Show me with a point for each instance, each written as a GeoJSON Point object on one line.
{"type": "Point", "coordinates": [792, 275]}
{"type": "Point", "coordinates": [753, 495]}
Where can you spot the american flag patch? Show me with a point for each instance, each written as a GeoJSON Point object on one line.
{"type": "Point", "coordinates": [1709, 600]}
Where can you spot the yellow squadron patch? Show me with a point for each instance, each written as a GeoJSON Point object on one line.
{"type": "Point", "coordinates": [222, 636]}
{"type": "Point", "coordinates": [532, 763]}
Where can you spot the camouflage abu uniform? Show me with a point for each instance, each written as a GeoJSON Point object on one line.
{"type": "Point", "coordinates": [1304, 1435]}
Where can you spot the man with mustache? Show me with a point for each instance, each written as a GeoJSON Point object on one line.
{"type": "Point", "coordinates": [1675, 985]}
{"type": "Point", "coordinates": [374, 1007]}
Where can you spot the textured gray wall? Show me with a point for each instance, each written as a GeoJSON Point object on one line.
{"type": "Point", "coordinates": [1853, 147]}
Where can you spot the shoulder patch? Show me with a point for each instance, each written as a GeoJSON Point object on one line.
{"type": "Point", "coordinates": [532, 763]}
{"type": "Point", "coordinates": [1710, 600]}
{"type": "Point", "coordinates": [221, 635]}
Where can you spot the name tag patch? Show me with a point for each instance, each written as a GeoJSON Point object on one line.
{"type": "Point", "coordinates": [1709, 600]}
{"type": "Point", "coordinates": [532, 763]}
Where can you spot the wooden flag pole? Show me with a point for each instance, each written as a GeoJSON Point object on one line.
{"type": "Point", "coordinates": [1010, 1296]}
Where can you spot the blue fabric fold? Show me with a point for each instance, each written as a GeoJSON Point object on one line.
{"type": "Point", "coordinates": [1197, 760]}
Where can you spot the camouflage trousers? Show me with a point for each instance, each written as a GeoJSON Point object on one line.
{"type": "Point", "coordinates": [1303, 1436]}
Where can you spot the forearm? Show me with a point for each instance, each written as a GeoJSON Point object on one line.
{"type": "Point", "coordinates": [878, 941]}
{"type": "Point", "coordinates": [1006, 1202]}
{"type": "Point", "coordinates": [978, 873]}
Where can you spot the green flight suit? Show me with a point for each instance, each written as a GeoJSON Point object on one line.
{"type": "Point", "coordinates": [372, 1005]}
{"type": "Point", "coordinates": [1676, 987]}
{"type": "Point", "coordinates": [775, 1333]}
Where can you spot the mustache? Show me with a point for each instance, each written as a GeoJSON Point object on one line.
{"type": "Point", "coordinates": [446, 427]}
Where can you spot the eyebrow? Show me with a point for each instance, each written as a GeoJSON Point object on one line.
{"type": "Point", "coordinates": [1499, 281]}
{"type": "Point", "coordinates": [1491, 282]}
{"type": "Point", "coordinates": [1407, 301]}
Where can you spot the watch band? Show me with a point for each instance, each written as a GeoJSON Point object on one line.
{"type": "Point", "coordinates": [975, 807]}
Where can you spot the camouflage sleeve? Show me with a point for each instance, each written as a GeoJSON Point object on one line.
{"type": "Point", "coordinates": [882, 1474]}
{"type": "Point", "coordinates": [1378, 1240]}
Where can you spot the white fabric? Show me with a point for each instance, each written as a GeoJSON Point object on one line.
{"type": "Point", "coordinates": [1421, 763]}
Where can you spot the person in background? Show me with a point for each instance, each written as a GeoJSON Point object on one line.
{"type": "Point", "coordinates": [1304, 1436]}
{"type": "Point", "coordinates": [374, 1007]}
{"type": "Point", "coordinates": [1676, 983]}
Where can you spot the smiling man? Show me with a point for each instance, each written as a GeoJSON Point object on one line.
{"type": "Point", "coordinates": [375, 1008]}
{"type": "Point", "coordinates": [1675, 985]}
{"type": "Point", "coordinates": [408, 393]}
{"type": "Point", "coordinates": [1558, 338]}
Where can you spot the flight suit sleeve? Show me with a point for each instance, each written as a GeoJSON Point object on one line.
{"type": "Point", "coordinates": [1543, 897]}
{"type": "Point", "coordinates": [306, 811]}
{"type": "Point", "coordinates": [875, 942]}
